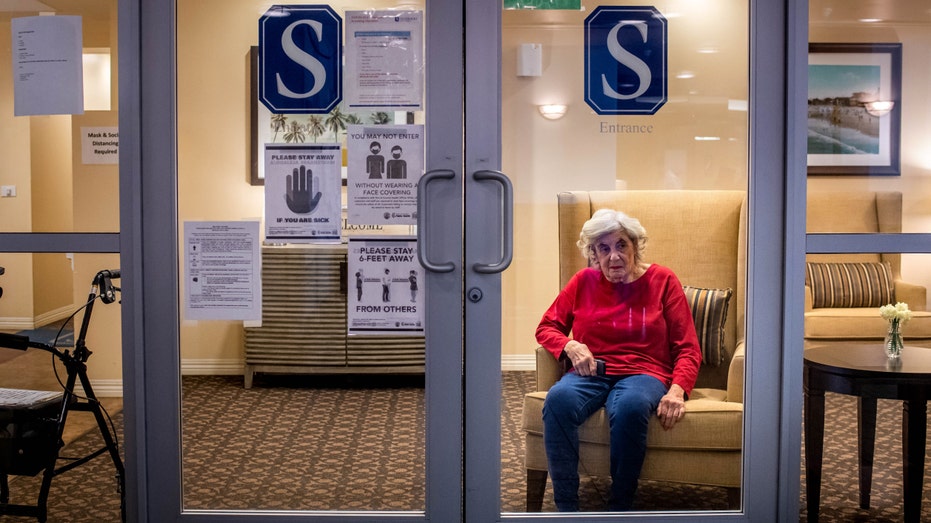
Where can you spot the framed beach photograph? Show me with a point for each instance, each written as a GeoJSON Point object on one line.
{"type": "Point", "coordinates": [854, 108]}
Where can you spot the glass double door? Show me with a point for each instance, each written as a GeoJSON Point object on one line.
{"type": "Point", "coordinates": [290, 416]}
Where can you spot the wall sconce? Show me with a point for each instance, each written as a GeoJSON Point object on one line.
{"type": "Point", "coordinates": [553, 111]}
{"type": "Point", "coordinates": [879, 107]}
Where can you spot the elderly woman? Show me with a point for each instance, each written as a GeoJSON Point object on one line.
{"type": "Point", "coordinates": [633, 350]}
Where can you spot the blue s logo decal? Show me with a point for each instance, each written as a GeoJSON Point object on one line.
{"type": "Point", "coordinates": [625, 60]}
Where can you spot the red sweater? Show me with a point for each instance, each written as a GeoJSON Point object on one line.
{"type": "Point", "coordinates": [643, 327]}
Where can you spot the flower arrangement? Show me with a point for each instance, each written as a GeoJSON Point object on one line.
{"type": "Point", "coordinates": [897, 315]}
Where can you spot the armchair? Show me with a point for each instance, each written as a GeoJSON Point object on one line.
{"type": "Point", "coordinates": [839, 309]}
{"type": "Point", "coordinates": [701, 236]}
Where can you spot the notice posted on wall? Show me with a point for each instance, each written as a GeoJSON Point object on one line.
{"type": "Point", "coordinates": [48, 72]}
{"type": "Point", "coordinates": [303, 183]}
{"type": "Point", "coordinates": [100, 145]}
{"type": "Point", "coordinates": [384, 166]}
{"type": "Point", "coordinates": [222, 271]}
{"type": "Point", "coordinates": [384, 287]}
{"type": "Point", "coordinates": [384, 60]}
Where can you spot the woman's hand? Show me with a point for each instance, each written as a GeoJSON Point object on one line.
{"type": "Point", "coordinates": [581, 358]}
{"type": "Point", "coordinates": [671, 407]}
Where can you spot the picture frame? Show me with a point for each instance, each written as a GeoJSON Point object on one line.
{"type": "Point", "coordinates": [294, 128]}
{"type": "Point", "coordinates": [849, 130]}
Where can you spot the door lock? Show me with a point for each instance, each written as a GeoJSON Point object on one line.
{"type": "Point", "coordinates": [475, 295]}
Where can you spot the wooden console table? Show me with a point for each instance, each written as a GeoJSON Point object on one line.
{"type": "Point", "coordinates": [864, 371]}
{"type": "Point", "coordinates": [304, 321]}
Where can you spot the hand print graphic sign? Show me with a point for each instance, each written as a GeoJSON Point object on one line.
{"type": "Point", "coordinates": [302, 192]}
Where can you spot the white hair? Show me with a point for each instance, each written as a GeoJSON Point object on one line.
{"type": "Point", "coordinates": [608, 221]}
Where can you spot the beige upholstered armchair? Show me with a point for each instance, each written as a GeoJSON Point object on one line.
{"type": "Point", "coordinates": [843, 292]}
{"type": "Point", "coordinates": [701, 235]}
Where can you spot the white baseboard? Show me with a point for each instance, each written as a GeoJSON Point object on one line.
{"type": "Point", "coordinates": [234, 367]}
{"type": "Point", "coordinates": [211, 367]}
{"type": "Point", "coordinates": [53, 316]}
{"type": "Point", "coordinates": [518, 362]}
{"type": "Point", "coordinates": [25, 323]}
{"type": "Point", "coordinates": [10, 323]}
{"type": "Point", "coordinates": [108, 388]}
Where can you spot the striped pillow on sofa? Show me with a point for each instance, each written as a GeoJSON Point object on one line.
{"type": "Point", "coordinates": [844, 285]}
{"type": "Point", "coordinates": [709, 312]}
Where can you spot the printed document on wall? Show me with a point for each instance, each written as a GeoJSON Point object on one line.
{"type": "Point", "coordinates": [100, 145]}
{"type": "Point", "coordinates": [385, 295]}
{"type": "Point", "coordinates": [222, 271]}
{"type": "Point", "coordinates": [302, 192]}
{"type": "Point", "coordinates": [48, 72]}
{"type": "Point", "coordinates": [384, 165]}
{"type": "Point", "coordinates": [384, 60]}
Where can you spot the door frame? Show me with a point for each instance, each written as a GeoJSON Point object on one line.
{"type": "Point", "coordinates": [149, 248]}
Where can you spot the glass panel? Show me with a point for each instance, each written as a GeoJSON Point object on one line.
{"type": "Point", "coordinates": [856, 150]}
{"type": "Point", "coordinates": [867, 172]}
{"type": "Point", "coordinates": [61, 171]}
{"type": "Point", "coordinates": [683, 172]}
{"type": "Point", "coordinates": [44, 296]}
{"type": "Point", "coordinates": [858, 329]}
{"type": "Point", "coordinates": [293, 413]}
{"type": "Point", "coordinates": [850, 200]}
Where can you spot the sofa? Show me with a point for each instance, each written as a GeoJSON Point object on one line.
{"type": "Point", "coordinates": [843, 292]}
{"type": "Point", "coordinates": [701, 235]}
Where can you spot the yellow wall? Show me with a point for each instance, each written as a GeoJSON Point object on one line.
{"type": "Point", "coordinates": [15, 213]}
{"type": "Point", "coordinates": [915, 180]}
{"type": "Point", "coordinates": [50, 140]}
{"type": "Point", "coordinates": [52, 211]}
{"type": "Point", "coordinates": [544, 157]}
{"type": "Point", "coordinates": [16, 306]}
{"type": "Point", "coordinates": [213, 154]}
{"type": "Point", "coordinates": [52, 287]}
{"type": "Point", "coordinates": [97, 209]}
{"type": "Point", "coordinates": [214, 139]}
{"type": "Point", "coordinates": [56, 192]}
{"type": "Point", "coordinates": [213, 144]}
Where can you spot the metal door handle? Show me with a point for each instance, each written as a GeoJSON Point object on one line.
{"type": "Point", "coordinates": [429, 176]}
{"type": "Point", "coordinates": [507, 251]}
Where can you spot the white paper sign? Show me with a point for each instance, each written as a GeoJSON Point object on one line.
{"type": "Point", "coordinates": [384, 60]}
{"type": "Point", "coordinates": [384, 166]}
{"type": "Point", "coordinates": [100, 145]}
{"type": "Point", "coordinates": [48, 74]}
{"type": "Point", "coordinates": [302, 192]}
{"type": "Point", "coordinates": [384, 287]}
{"type": "Point", "coordinates": [222, 270]}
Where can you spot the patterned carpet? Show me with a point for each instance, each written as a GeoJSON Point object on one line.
{"type": "Point", "coordinates": [261, 448]}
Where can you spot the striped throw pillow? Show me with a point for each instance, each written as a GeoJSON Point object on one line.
{"type": "Point", "coordinates": [837, 285]}
{"type": "Point", "coordinates": [709, 312]}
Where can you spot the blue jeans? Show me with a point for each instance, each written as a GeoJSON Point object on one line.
{"type": "Point", "coordinates": [630, 402]}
